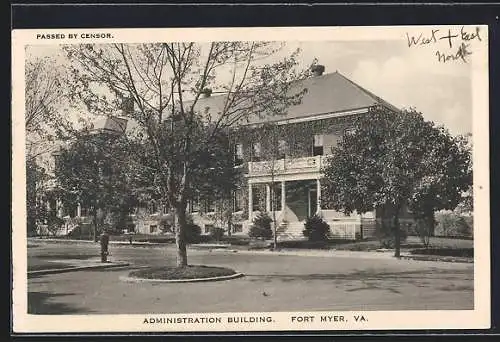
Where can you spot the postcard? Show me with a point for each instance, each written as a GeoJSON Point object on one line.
{"type": "Point", "coordinates": [250, 179]}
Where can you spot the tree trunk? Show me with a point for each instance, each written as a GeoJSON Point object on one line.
{"type": "Point", "coordinates": [275, 231]}
{"type": "Point", "coordinates": [94, 231]}
{"type": "Point", "coordinates": [397, 235]}
{"type": "Point", "coordinates": [180, 236]}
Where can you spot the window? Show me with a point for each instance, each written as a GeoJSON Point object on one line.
{"type": "Point", "coordinates": [237, 228]}
{"type": "Point", "coordinates": [256, 151]}
{"type": "Point", "coordinates": [195, 204]}
{"type": "Point", "coordinates": [209, 205]}
{"type": "Point", "coordinates": [167, 228]}
{"type": "Point", "coordinates": [208, 228]}
{"type": "Point", "coordinates": [237, 200]}
{"type": "Point", "coordinates": [84, 211]}
{"type": "Point", "coordinates": [258, 198]}
{"type": "Point", "coordinates": [153, 228]}
{"type": "Point", "coordinates": [282, 147]}
{"type": "Point", "coordinates": [165, 210]}
{"type": "Point", "coordinates": [153, 207]}
{"type": "Point", "coordinates": [73, 211]}
{"type": "Point", "coordinates": [318, 145]}
{"type": "Point", "coordinates": [238, 154]}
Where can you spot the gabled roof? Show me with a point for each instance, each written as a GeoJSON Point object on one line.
{"type": "Point", "coordinates": [326, 94]}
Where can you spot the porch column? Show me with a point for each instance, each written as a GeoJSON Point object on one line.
{"type": "Point", "coordinates": [250, 202]}
{"type": "Point", "coordinates": [318, 196]}
{"type": "Point", "coordinates": [283, 199]}
{"type": "Point", "coordinates": [268, 198]}
{"type": "Point", "coordinates": [78, 210]}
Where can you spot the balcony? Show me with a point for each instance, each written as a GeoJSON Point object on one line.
{"type": "Point", "coordinates": [286, 166]}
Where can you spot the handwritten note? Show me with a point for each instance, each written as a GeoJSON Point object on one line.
{"type": "Point", "coordinates": [458, 42]}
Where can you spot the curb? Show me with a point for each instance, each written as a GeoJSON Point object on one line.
{"type": "Point", "coordinates": [353, 254]}
{"type": "Point", "coordinates": [78, 268]}
{"type": "Point", "coordinates": [362, 255]}
{"type": "Point", "coordinates": [171, 281]}
{"type": "Point", "coordinates": [438, 259]}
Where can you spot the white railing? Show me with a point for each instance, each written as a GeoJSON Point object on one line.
{"type": "Point", "coordinates": [288, 165]}
{"type": "Point", "coordinates": [344, 230]}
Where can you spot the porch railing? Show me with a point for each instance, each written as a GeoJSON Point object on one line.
{"type": "Point", "coordinates": [288, 165]}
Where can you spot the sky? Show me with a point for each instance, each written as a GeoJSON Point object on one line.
{"type": "Point", "coordinates": [405, 77]}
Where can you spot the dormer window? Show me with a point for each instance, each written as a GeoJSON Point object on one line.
{"type": "Point", "coordinates": [318, 145]}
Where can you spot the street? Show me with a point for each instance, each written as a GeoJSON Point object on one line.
{"type": "Point", "coordinates": [271, 283]}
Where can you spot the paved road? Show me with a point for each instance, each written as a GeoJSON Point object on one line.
{"type": "Point", "coordinates": [272, 283]}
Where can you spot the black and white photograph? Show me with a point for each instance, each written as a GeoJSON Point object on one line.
{"type": "Point", "coordinates": [250, 179]}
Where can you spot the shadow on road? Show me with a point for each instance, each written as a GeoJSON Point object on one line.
{"type": "Point", "coordinates": [39, 303]}
{"type": "Point", "coordinates": [68, 256]}
{"type": "Point", "coordinates": [410, 276]}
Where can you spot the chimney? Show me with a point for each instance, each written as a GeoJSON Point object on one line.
{"type": "Point", "coordinates": [317, 70]}
{"type": "Point", "coordinates": [206, 92]}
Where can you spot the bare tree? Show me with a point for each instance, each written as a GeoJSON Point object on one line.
{"type": "Point", "coordinates": [44, 93]}
{"type": "Point", "coordinates": [163, 85]}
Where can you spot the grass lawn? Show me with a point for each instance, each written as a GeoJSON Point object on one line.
{"type": "Point", "coordinates": [144, 238]}
{"type": "Point", "coordinates": [58, 255]}
{"type": "Point", "coordinates": [45, 265]}
{"type": "Point", "coordinates": [175, 273]}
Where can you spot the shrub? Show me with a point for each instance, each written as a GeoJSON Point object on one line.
{"type": "Point", "coordinates": [237, 240]}
{"type": "Point", "coordinates": [192, 232]}
{"type": "Point", "coordinates": [452, 224]}
{"type": "Point", "coordinates": [384, 232]}
{"type": "Point", "coordinates": [316, 229]}
{"type": "Point", "coordinates": [217, 233]}
{"type": "Point", "coordinates": [165, 224]}
{"type": "Point", "coordinates": [446, 251]}
{"type": "Point", "coordinates": [261, 227]}
{"type": "Point", "coordinates": [54, 223]}
{"type": "Point", "coordinates": [424, 228]}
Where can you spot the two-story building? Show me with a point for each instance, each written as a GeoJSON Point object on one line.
{"type": "Point", "coordinates": [281, 163]}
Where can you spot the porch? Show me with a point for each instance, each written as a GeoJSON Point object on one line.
{"type": "Point", "coordinates": [290, 202]}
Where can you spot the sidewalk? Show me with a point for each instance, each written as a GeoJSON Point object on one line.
{"type": "Point", "coordinates": [315, 253]}
{"type": "Point", "coordinates": [111, 242]}
{"type": "Point", "coordinates": [70, 265]}
{"type": "Point", "coordinates": [386, 254]}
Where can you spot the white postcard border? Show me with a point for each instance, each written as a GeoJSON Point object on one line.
{"type": "Point", "coordinates": [479, 318]}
